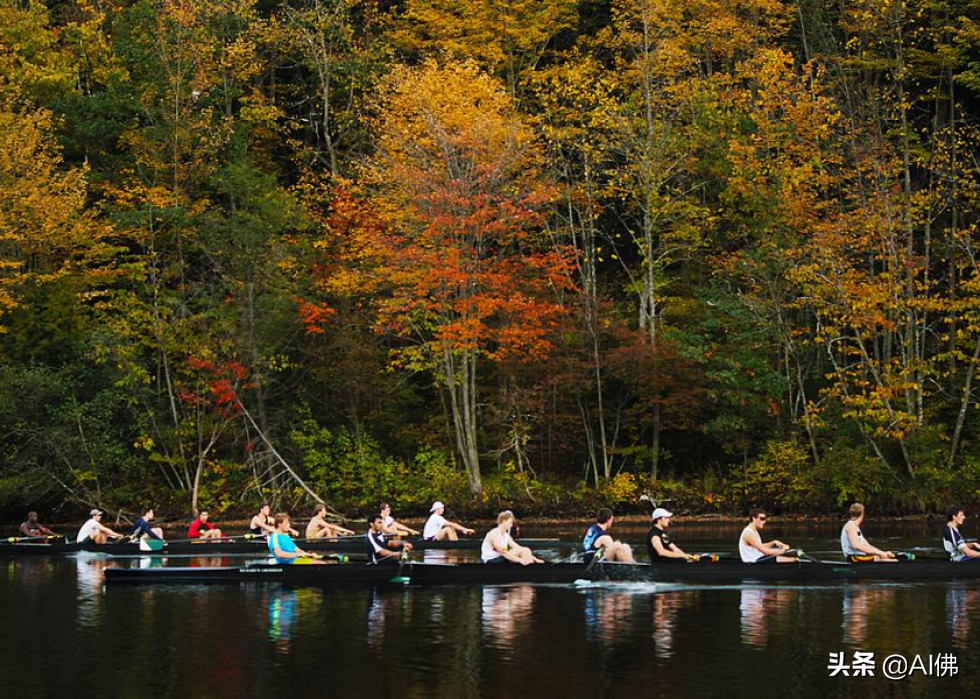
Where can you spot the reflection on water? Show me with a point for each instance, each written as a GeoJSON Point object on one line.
{"type": "Point", "coordinates": [961, 604]}
{"type": "Point", "coordinates": [605, 611]}
{"type": "Point", "coordinates": [666, 610]}
{"type": "Point", "coordinates": [282, 616]}
{"type": "Point", "coordinates": [760, 609]}
{"type": "Point", "coordinates": [90, 573]}
{"type": "Point", "coordinates": [505, 612]}
{"type": "Point", "coordinates": [464, 641]}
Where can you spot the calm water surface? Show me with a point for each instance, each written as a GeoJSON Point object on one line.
{"type": "Point", "coordinates": [64, 634]}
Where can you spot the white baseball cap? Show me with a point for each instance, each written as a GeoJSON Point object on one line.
{"type": "Point", "coordinates": [436, 505]}
{"type": "Point", "coordinates": [95, 513]}
{"type": "Point", "coordinates": [661, 512]}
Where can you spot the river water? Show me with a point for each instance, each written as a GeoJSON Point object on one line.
{"type": "Point", "coordinates": [65, 634]}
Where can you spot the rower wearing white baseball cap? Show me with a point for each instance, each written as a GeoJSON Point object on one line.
{"type": "Point", "coordinates": [659, 546]}
{"type": "Point", "coordinates": [438, 528]}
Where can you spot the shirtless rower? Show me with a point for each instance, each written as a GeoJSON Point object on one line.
{"type": "Point", "coordinates": [34, 529]}
{"type": "Point", "coordinates": [854, 546]}
{"type": "Point", "coordinates": [390, 526]}
{"type": "Point", "coordinates": [438, 528]}
{"type": "Point", "coordinates": [751, 548]}
{"type": "Point", "coordinates": [500, 547]}
{"type": "Point", "coordinates": [320, 528]}
{"type": "Point", "coordinates": [597, 538]}
{"type": "Point", "coordinates": [94, 531]}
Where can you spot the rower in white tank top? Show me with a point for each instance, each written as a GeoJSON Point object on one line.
{"type": "Point", "coordinates": [487, 551]}
{"type": "Point", "coordinates": [748, 553]}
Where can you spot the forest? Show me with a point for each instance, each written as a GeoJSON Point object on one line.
{"type": "Point", "coordinates": [542, 253]}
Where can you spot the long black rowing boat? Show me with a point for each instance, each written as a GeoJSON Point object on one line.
{"type": "Point", "coordinates": [722, 572]}
{"type": "Point", "coordinates": [244, 547]}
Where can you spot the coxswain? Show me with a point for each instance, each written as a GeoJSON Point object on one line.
{"type": "Point", "coordinates": [597, 538]}
{"type": "Point", "coordinates": [142, 528]}
{"type": "Point", "coordinates": [379, 548]}
{"type": "Point", "coordinates": [660, 548]}
{"type": "Point", "coordinates": [282, 546]}
{"type": "Point", "coordinates": [201, 528]}
{"type": "Point", "coordinates": [500, 547]}
{"type": "Point", "coordinates": [390, 526]}
{"type": "Point", "coordinates": [34, 529]}
{"type": "Point", "coordinates": [956, 546]}
{"type": "Point", "coordinates": [854, 546]}
{"type": "Point", "coordinates": [751, 548]}
{"type": "Point", "coordinates": [94, 531]}
{"type": "Point", "coordinates": [438, 528]}
{"type": "Point", "coordinates": [320, 528]}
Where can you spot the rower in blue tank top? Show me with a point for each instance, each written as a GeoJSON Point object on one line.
{"type": "Point", "coordinates": [854, 546]}
{"type": "Point", "coordinates": [597, 538]}
{"type": "Point", "coordinates": [283, 548]}
{"type": "Point", "coordinates": [956, 546]}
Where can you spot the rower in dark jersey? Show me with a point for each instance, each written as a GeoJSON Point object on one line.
{"type": "Point", "coordinates": [142, 528]}
{"type": "Point", "coordinates": [597, 538]}
{"type": "Point", "coordinates": [956, 546]}
{"type": "Point", "coordinates": [379, 548]}
{"type": "Point", "coordinates": [660, 548]}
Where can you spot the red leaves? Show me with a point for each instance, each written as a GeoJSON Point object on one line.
{"type": "Point", "coordinates": [218, 385]}
{"type": "Point", "coordinates": [314, 316]}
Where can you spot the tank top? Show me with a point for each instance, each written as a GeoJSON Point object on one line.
{"type": "Point", "coordinates": [749, 554]}
{"type": "Point", "coordinates": [845, 543]}
{"type": "Point", "coordinates": [489, 553]}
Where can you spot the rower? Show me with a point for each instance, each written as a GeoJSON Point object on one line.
{"type": "Point", "coordinates": [855, 547]}
{"type": "Point", "coordinates": [597, 538]}
{"type": "Point", "coordinates": [660, 548]}
{"type": "Point", "coordinates": [438, 528]}
{"type": "Point", "coordinates": [34, 529]}
{"type": "Point", "coordinates": [94, 531]}
{"type": "Point", "coordinates": [390, 526]}
{"type": "Point", "coordinates": [500, 547]}
{"type": "Point", "coordinates": [320, 528]}
{"type": "Point", "coordinates": [201, 528]}
{"type": "Point", "coordinates": [141, 527]}
{"type": "Point", "coordinates": [956, 546]}
{"type": "Point", "coordinates": [282, 546]}
{"type": "Point", "coordinates": [379, 548]}
{"type": "Point", "coordinates": [263, 524]}
{"type": "Point", "coordinates": [751, 548]}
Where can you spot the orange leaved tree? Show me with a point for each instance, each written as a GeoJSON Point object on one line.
{"type": "Point", "coordinates": [471, 277]}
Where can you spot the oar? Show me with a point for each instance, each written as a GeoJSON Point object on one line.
{"type": "Point", "coordinates": [16, 539]}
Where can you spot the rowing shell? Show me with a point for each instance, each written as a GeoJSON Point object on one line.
{"type": "Point", "coordinates": [232, 547]}
{"type": "Point", "coordinates": [723, 572]}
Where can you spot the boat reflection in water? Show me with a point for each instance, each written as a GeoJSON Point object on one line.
{"type": "Point", "coordinates": [505, 612]}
